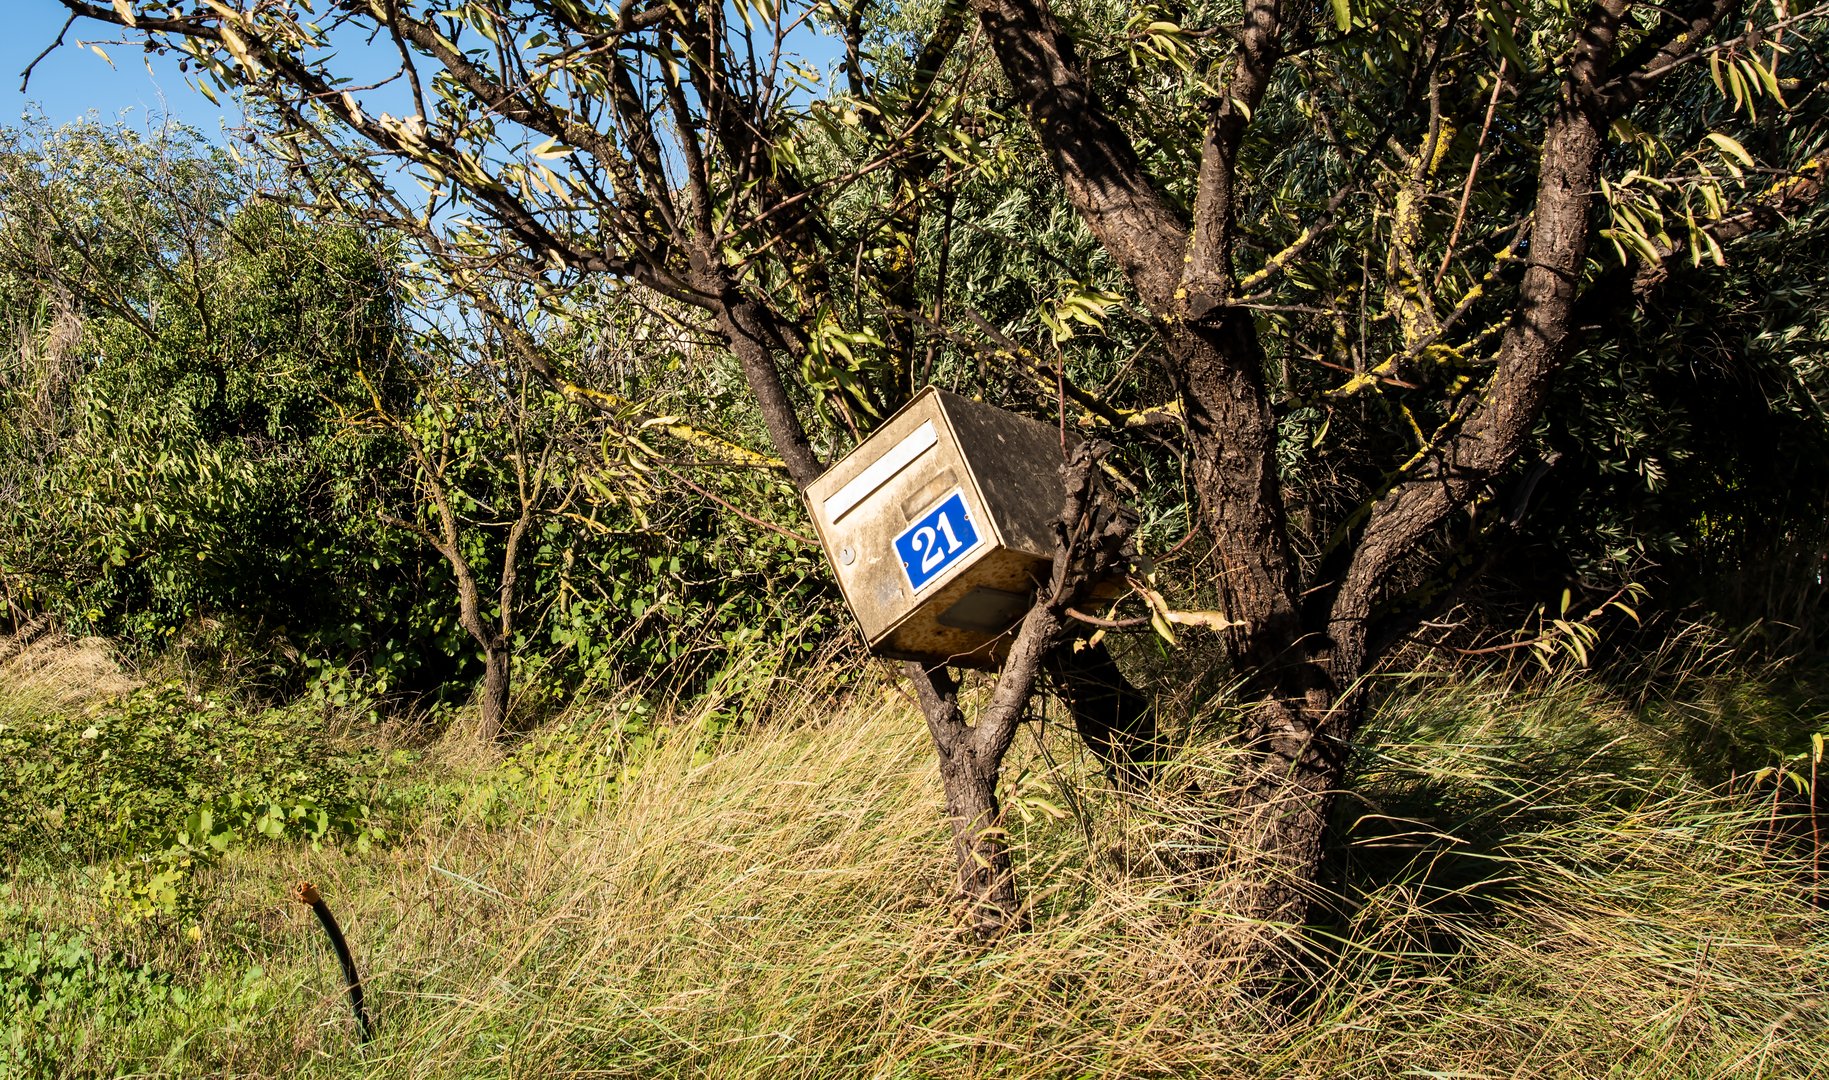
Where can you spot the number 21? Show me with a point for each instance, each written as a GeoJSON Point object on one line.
{"type": "Point", "coordinates": [927, 542]}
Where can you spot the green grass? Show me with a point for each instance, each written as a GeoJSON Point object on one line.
{"type": "Point", "coordinates": [1533, 882]}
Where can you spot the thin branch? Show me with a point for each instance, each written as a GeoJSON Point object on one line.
{"type": "Point", "coordinates": [756, 521]}
{"type": "Point", "coordinates": [25, 77]}
{"type": "Point", "coordinates": [1473, 171]}
{"type": "Point", "coordinates": [1106, 624]}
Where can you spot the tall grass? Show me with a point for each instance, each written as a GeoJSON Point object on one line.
{"type": "Point", "coordinates": [48, 674]}
{"type": "Point", "coordinates": [1529, 883]}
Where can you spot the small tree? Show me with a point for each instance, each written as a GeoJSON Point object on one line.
{"type": "Point", "coordinates": [487, 446]}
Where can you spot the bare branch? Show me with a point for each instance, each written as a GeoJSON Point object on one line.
{"type": "Point", "coordinates": [1207, 278]}
{"type": "Point", "coordinates": [25, 77]}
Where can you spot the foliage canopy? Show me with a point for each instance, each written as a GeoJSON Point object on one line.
{"type": "Point", "coordinates": [1324, 268]}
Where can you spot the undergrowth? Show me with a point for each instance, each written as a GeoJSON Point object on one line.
{"type": "Point", "coordinates": [151, 782]}
{"type": "Point", "coordinates": [1530, 880]}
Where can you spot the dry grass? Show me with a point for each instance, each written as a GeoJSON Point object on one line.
{"type": "Point", "coordinates": [57, 674]}
{"type": "Point", "coordinates": [1532, 890]}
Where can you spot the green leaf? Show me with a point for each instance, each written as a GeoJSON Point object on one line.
{"type": "Point", "coordinates": [1768, 77]}
{"type": "Point", "coordinates": [1498, 32]}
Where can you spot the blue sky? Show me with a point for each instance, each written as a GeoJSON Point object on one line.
{"type": "Point", "coordinates": [73, 81]}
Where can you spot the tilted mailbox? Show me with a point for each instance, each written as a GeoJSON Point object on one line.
{"type": "Point", "coordinates": [940, 525]}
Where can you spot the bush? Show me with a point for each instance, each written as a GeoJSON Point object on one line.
{"type": "Point", "coordinates": [162, 781]}
{"type": "Point", "coordinates": [59, 996]}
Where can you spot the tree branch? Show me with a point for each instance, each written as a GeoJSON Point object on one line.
{"type": "Point", "coordinates": [1099, 166]}
{"type": "Point", "coordinates": [1639, 70]}
{"type": "Point", "coordinates": [1207, 277]}
{"type": "Point", "coordinates": [1493, 431]}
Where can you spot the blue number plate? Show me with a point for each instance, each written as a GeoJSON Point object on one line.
{"type": "Point", "coordinates": [939, 539]}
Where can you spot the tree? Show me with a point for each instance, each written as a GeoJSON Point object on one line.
{"type": "Point", "coordinates": [489, 456]}
{"type": "Point", "coordinates": [1358, 244]}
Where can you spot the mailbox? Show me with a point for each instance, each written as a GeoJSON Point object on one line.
{"type": "Point", "coordinates": [939, 526]}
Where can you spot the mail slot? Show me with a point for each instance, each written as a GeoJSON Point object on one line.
{"type": "Point", "coordinates": [939, 526]}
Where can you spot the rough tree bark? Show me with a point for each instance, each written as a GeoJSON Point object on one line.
{"type": "Point", "coordinates": [1306, 644]}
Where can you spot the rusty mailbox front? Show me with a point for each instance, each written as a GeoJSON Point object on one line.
{"type": "Point", "coordinates": [939, 526]}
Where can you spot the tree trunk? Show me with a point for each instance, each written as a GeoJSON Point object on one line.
{"type": "Point", "coordinates": [1307, 668]}
{"type": "Point", "coordinates": [745, 326]}
{"type": "Point", "coordinates": [1280, 803]}
{"type": "Point", "coordinates": [496, 671]}
{"type": "Point", "coordinates": [1233, 437]}
{"type": "Point", "coordinates": [987, 881]}
{"type": "Point", "coordinates": [1115, 720]}
{"type": "Point", "coordinates": [1093, 537]}
{"type": "Point", "coordinates": [970, 759]}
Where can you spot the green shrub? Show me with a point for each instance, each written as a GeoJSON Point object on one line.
{"type": "Point", "coordinates": [163, 781]}
{"type": "Point", "coordinates": [59, 996]}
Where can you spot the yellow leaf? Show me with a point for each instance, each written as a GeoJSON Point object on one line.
{"type": "Point", "coordinates": [1212, 620]}
{"type": "Point", "coordinates": [1728, 145]}
{"type": "Point", "coordinates": [1159, 614]}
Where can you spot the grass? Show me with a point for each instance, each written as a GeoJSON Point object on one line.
{"type": "Point", "coordinates": [1532, 882]}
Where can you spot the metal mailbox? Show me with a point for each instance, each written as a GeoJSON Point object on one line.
{"type": "Point", "coordinates": [939, 526]}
